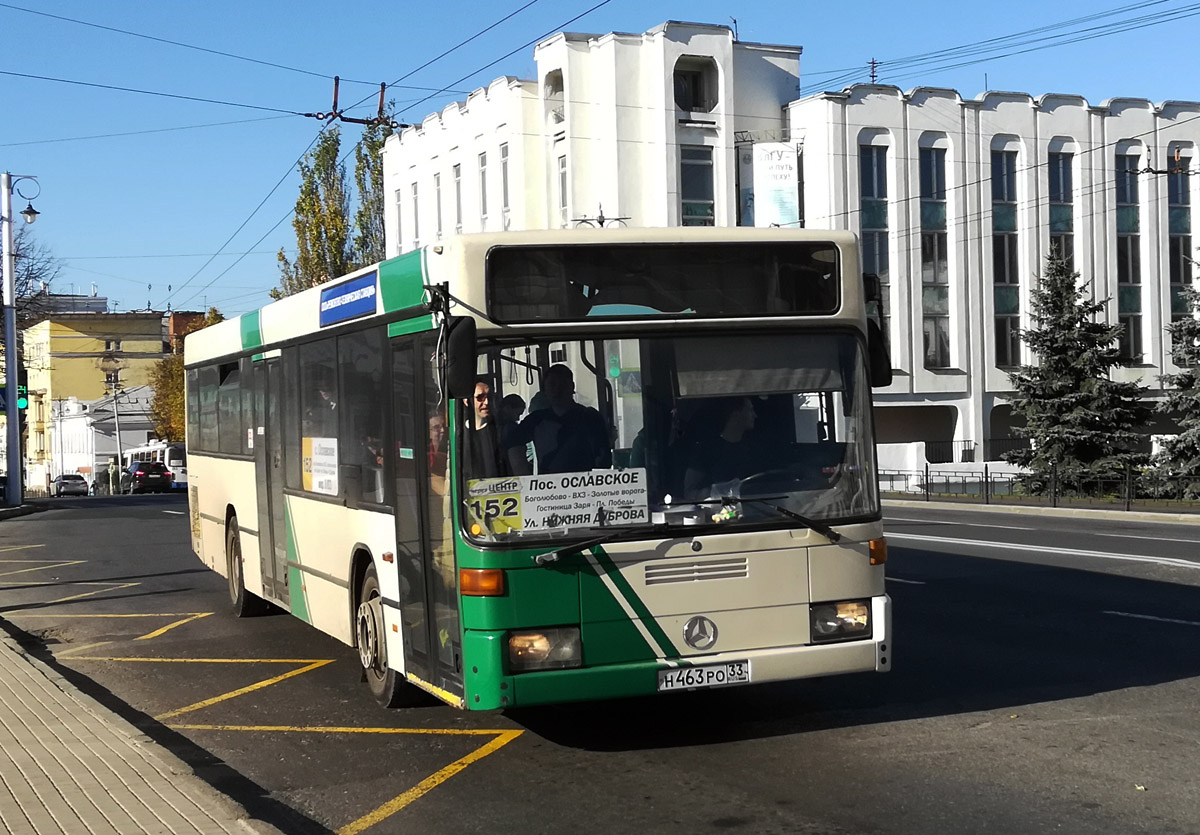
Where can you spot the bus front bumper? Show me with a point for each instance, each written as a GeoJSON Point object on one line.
{"type": "Point", "coordinates": [641, 678]}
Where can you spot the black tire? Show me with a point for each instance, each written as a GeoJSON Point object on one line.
{"type": "Point", "coordinates": [243, 603]}
{"type": "Point", "coordinates": [386, 685]}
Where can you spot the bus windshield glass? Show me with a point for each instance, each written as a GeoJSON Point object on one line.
{"type": "Point", "coordinates": [576, 436]}
{"type": "Point", "coordinates": [783, 278]}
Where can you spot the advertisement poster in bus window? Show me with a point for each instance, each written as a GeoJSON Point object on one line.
{"type": "Point", "coordinates": [560, 500]}
{"type": "Point", "coordinates": [320, 465]}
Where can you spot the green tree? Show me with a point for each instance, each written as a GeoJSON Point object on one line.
{"type": "Point", "coordinates": [328, 244]}
{"type": "Point", "coordinates": [168, 408]}
{"type": "Point", "coordinates": [1180, 455]}
{"type": "Point", "coordinates": [322, 221]}
{"type": "Point", "coordinates": [368, 179]}
{"type": "Point", "coordinates": [1076, 417]}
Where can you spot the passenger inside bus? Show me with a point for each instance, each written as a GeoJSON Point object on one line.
{"type": "Point", "coordinates": [484, 455]}
{"type": "Point", "coordinates": [567, 436]}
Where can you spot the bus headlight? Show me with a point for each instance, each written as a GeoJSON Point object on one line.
{"type": "Point", "coordinates": [841, 621]}
{"type": "Point", "coordinates": [545, 649]}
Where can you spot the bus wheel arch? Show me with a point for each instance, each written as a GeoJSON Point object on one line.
{"type": "Point", "coordinates": [359, 563]}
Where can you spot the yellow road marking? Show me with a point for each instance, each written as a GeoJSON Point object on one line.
{"type": "Point", "coordinates": [49, 564]}
{"type": "Point", "coordinates": [322, 729]}
{"type": "Point", "coordinates": [428, 784]}
{"type": "Point", "coordinates": [67, 652]}
{"type": "Point", "coordinates": [22, 548]}
{"type": "Point", "coordinates": [242, 690]}
{"type": "Point", "coordinates": [103, 615]}
{"type": "Point", "coordinates": [147, 659]}
{"type": "Point", "coordinates": [171, 626]}
{"type": "Point", "coordinates": [110, 587]}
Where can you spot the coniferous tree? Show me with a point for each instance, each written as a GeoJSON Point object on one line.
{"type": "Point", "coordinates": [1076, 418]}
{"type": "Point", "coordinates": [1180, 455]}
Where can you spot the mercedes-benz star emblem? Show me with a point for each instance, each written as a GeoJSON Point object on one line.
{"type": "Point", "coordinates": [700, 633]}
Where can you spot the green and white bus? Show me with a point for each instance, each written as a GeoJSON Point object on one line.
{"type": "Point", "coordinates": [548, 466]}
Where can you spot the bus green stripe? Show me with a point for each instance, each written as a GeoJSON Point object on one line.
{"type": "Point", "coordinates": [660, 637]}
{"type": "Point", "coordinates": [251, 330]}
{"type": "Point", "coordinates": [407, 326]}
{"type": "Point", "coordinates": [296, 594]}
{"type": "Point", "coordinates": [402, 281]}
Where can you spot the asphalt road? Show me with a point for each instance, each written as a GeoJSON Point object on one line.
{"type": "Point", "coordinates": [1041, 684]}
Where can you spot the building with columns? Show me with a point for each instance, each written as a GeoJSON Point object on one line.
{"type": "Point", "coordinates": [957, 202]}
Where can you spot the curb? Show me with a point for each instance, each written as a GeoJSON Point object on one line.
{"type": "Point", "coordinates": [1067, 512]}
{"type": "Point", "coordinates": [20, 510]}
{"type": "Point", "coordinates": [235, 814]}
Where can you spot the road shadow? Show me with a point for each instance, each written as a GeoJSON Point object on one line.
{"type": "Point", "coordinates": [207, 766]}
{"type": "Point", "coordinates": [971, 634]}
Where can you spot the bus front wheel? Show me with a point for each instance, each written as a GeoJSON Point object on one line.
{"type": "Point", "coordinates": [243, 603]}
{"type": "Point", "coordinates": [385, 684]}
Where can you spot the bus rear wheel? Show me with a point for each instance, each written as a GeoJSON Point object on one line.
{"type": "Point", "coordinates": [386, 685]}
{"type": "Point", "coordinates": [243, 603]}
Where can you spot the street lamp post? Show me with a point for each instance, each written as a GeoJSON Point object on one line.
{"type": "Point", "coordinates": [13, 481]}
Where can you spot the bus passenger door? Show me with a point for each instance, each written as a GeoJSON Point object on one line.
{"type": "Point", "coordinates": [268, 455]}
{"type": "Point", "coordinates": [424, 540]}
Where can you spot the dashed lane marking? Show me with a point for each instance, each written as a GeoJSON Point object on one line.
{"type": "Point", "coordinates": [174, 512]}
{"type": "Point", "coordinates": [1045, 550]}
{"type": "Point", "coordinates": [1154, 618]}
{"type": "Point", "coordinates": [909, 582]}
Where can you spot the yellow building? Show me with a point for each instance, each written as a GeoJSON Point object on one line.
{"type": "Point", "coordinates": [86, 356]}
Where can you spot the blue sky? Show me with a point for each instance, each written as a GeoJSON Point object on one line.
{"type": "Point", "coordinates": [152, 207]}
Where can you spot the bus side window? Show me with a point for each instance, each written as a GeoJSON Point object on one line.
{"type": "Point", "coordinates": [362, 407]}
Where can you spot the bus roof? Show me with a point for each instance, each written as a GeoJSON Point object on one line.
{"type": "Point", "coordinates": [395, 289]}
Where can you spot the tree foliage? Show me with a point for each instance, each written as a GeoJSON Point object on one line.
{"type": "Point", "coordinates": [1180, 455]}
{"type": "Point", "coordinates": [168, 408]}
{"type": "Point", "coordinates": [368, 179]}
{"type": "Point", "coordinates": [322, 220]}
{"type": "Point", "coordinates": [328, 243]}
{"type": "Point", "coordinates": [1077, 418]}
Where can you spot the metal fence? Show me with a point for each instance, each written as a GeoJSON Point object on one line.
{"type": "Point", "coordinates": [1133, 490]}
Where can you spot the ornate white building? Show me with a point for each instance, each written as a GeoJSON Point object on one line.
{"type": "Point", "coordinates": [958, 202]}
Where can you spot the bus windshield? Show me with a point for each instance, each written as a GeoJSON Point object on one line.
{"type": "Point", "coordinates": [575, 436]}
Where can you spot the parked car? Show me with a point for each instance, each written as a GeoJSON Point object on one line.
{"type": "Point", "coordinates": [69, 484]}
{"type": "Point", "coordinates": [146, 477]}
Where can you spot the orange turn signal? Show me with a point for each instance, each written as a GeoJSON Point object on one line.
{"type": "Point", "coordinates": [481, 582]}
{"type": "Point", "coordinates": [878, 551]}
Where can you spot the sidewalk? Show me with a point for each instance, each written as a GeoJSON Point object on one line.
{"type": "Point", "coordinates": [69, 765]}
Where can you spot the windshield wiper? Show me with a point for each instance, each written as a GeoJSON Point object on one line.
{"type": "Point", "coordinates": [552, 556]}
{"type": "Point", "coordinates": [820, 527]}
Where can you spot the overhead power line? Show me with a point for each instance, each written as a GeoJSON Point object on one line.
{"type": "Point", "coordinates": [143, 132]}
{"type": "Point", "coordinates": [175, 43]}
{"type": "Point", "coordinates": [151, 93]}
{"type": "Point", "coordinates": [1011, 44]}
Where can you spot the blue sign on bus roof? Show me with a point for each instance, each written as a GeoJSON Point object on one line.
{"type": "Point", "coordinates": [349, 300]}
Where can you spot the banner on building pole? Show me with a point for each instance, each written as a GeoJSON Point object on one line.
{"type": "Point", "coordinates": [776, 197]}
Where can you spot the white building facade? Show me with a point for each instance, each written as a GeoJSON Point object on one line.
{"type": "Point", "coordinates": [957, 202]}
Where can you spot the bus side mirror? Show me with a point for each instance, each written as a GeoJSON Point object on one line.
{"type": "Point", "coordinates": [460, 358]}
{"type": "Point", "coordinates": [878, 359]}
